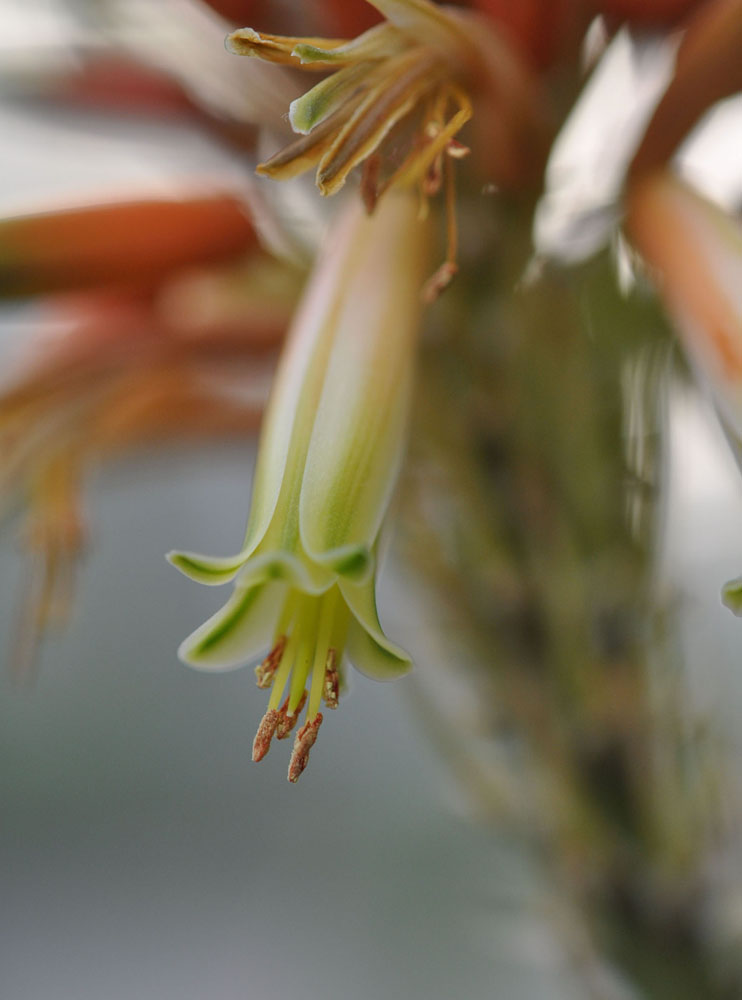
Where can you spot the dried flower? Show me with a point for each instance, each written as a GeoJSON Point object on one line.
{"type": "Point", "coordinates": [399, 95]}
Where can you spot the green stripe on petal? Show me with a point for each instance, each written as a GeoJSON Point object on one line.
{"type": "Point", "coordinates": [238, 632]}
{"type": "Point", "coordinates": [354, 562]}
{"type": "Point", "coordinates": [287, 567]}
{"type": "Point", "coordinates": [358, 433]}
{"type": "Point", "coordinates": [297, 388]}
{"type": "Point", "coordinates": [213, 571]}
{"type": "Point", "coordinates": [273, 565]}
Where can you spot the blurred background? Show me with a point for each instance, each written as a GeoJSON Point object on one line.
{"type": "Point", "coordinates": [466, 831]}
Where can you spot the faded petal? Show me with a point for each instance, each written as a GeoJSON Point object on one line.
{"type": "Point", "coordinates": [425, 21]}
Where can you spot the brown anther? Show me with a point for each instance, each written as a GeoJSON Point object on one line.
{"type": "Point", "coordinates": [287, 722]}
{"type": "Point", "coordinates": [433, 179]}
{"type": "Point", "coordinates": [266, 729]}
{"type": "Point", "coordinates": [370, 182]}
{"type": "Point", "coordinates": [439, 281]}
{"type": "Point", "coordinates": [305, 740]}
{"type": "Point", "coordinates": [457, 149]}
{"type": "Point", "coordinates": [331, 684]}
{"type": "Point", "coordinates": [266, 671]}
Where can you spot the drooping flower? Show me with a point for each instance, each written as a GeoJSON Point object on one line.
{"type": "Point", "coordinates": [329, 453]}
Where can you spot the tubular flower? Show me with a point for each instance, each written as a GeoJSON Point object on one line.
{"type": "Point", "coordinates": [398, 97]}
{"type": "Point", "coordinates": [329, 452]}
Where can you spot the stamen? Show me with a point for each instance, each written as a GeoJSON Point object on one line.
{"type": "Point", "coordinates": [287, 661]}
{"type": "Point", "coordinates": [266, 729]}
{"type": "Point", "coordinates": [439, 281]}
{"type": "Point", "coordinates": [407, 80]}
{"type": "Point", "coordinates": [439, 137]}
{"type": "Point", "coordinates": [288, 612]}
{"type": "Point", "coordinates": [331, 688]}
{"type": "Point", "coordinates": [303, 662]}
{"type": "Point", "coordinates": [370, 182]}
{"type": "Point", "coordinates": [433, 177]}
{"type": "Point", "coordinates": [448, 269]}
{"type": "Point", "coordinates": [266, 671]}
{"type": "Point", "coordinates": [287, 720]}
{"type": "Point", "coordinates": [327, 625]}
{"type": "Point", "coordinates": [305, 740]}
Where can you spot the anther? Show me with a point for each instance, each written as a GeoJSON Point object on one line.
{"type": "Point", "coordinates": [287, 722]}
{"type": "Point", "coordinates": [457, 150]}
{"type": "Point", "coordinates": [266, 671]}
{"type": "Point", "coordinates": [331, 685]}
{"type": "Point", "coordinates": [266, 729]}
{"type": "Point", "coordinates": [305, 740]}
{"type": "Point", "coordinates": [370, 182]}
{"type": "Point", "coordinates": [439, 281]}
{"type": "Point", "coordinates": [433, 179]}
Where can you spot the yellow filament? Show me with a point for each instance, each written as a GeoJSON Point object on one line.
{"type": "Point", "coordinates": [286, 616]}
{"type": "Point", "coordinates": [414, 168]}
{"type": "Point", "coordinates": [324, 635]}
{"type": "Point", "coordinates": [287, 661]}
{"type": "Point", "coordinates": [301, 667]}
{"type": "Point", "coordinates": [452, 236]}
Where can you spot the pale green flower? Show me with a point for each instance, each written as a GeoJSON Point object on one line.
{"type": "Point", "coordinates": [329, 453]}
